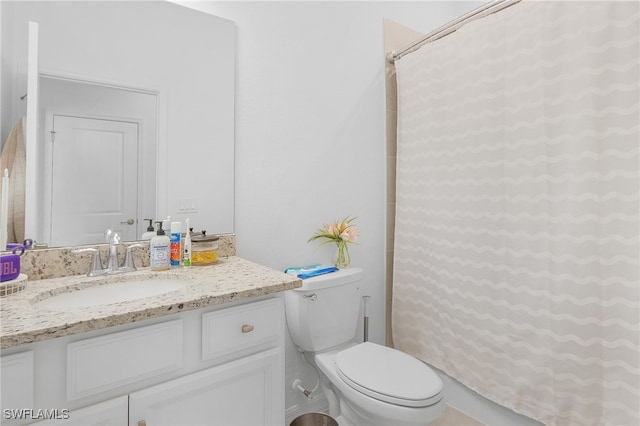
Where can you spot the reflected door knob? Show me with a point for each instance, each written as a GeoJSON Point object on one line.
{"type": "Point", "coordinates": [129, 222]}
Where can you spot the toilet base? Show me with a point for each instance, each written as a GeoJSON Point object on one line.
{"type": "Point", "coordinates": [353, 416]}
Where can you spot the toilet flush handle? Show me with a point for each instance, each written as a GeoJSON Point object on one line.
{"type": "Point", "coordinates": [311, 297]}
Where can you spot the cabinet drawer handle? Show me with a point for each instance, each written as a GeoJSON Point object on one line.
{"type": "Point", "coordinates": [247, 328]}
{"type": "Point", "coordinates": [142, 423]}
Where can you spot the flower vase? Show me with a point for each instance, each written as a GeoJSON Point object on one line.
{"type": "Point", "coordinates": [342, 259]}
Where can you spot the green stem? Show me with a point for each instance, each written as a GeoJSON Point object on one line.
{"type": "Point", "coordinates": [344, 257]}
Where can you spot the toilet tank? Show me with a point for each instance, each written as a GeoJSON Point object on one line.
{"type": "Point", "coordinates": [323, 313]}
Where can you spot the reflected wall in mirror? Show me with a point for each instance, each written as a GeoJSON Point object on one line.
{"type": "Point", "coordinates": [109, 56]}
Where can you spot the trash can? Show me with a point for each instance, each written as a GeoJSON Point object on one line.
{"type": "Point", "coordinates": [314, 419]}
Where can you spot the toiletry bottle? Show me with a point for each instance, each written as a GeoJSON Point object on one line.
{"type": "Point", "coordinates": [186, 258]}
{"type": "Point", "coordinates": [160, 250]}
{"type": "Point", "coordinates": [176, 247]}
{"type": "Point", "coordinates": [166, 224]}
{"type": "Point", "coordinates": [151, 231]}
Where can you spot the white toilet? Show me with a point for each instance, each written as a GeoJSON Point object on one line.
{"type": "Point", "coordinates": [365, 383]}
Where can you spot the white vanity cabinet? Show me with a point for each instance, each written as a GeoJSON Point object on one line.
{"type": "Point", "coordinates": [16, 390]}
{"type": "Point", "coordinates": [212, 366]}
{"type": "Point", "coordinates": [243, 392]}
{"type": "Point", "coordinates": [111, 412]}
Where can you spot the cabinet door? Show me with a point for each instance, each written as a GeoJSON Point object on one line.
{"type": "Point", "coordinates": [16, 387]}
{"type": "Point", "coordinates": [247, 391]}
{"type": "Point", "coordinates": [107, 413]}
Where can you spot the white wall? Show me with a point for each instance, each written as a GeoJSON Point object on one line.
{"type": "Point", "coordinates": [310, 126]}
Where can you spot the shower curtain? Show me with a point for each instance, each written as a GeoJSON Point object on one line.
{"type": "Point", "coordinates": [517, 222]}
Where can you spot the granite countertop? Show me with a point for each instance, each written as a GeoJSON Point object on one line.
{"type": "Point", "coordinates": [230, 279]}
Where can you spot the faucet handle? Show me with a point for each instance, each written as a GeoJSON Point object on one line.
{"type": "Point", "coordinates": [129, 264]}
{"type": "Point", "coordinates": [96, 264]}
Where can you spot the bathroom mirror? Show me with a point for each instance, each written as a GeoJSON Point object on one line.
{"type": "Point", "coordinates": [181, 60]}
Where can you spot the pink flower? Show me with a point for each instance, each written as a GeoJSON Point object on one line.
{"type": "Point", "coordinates": [331, 229]}
{"type": "Point", "coordinates": [342, 231]}
{"type": "Point", "coordinates": [350, 234]}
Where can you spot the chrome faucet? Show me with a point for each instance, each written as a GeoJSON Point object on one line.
{"type": "Point", "coordinates": [113, 265]}
{"type": "Point", "coordinates": [113, 239]}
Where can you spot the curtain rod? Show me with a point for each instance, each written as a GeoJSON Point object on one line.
{"type": "Point", "coordinates": [480, 12]}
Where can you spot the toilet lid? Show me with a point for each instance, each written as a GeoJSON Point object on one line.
{"type": "Point", "coordinates": [389, 375]}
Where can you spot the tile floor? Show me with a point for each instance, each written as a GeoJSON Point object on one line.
{"type": "Point", "coordinates": [454, 417]}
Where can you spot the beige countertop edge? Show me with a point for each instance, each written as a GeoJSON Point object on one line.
{"type": "Point", "coordinates": [232, 279]}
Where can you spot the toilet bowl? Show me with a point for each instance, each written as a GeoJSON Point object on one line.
{"type": "Point", "coordinates": [376, 385]}
{"type": "Point", "coordinates": [366, 384]}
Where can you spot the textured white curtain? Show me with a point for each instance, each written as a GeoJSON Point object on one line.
{"type": "Point", "coordinates": [517, 227]}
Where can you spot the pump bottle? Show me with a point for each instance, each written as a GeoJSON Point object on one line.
{"type": "Point", "coordinates": [159, 248]}
{"type": "Point", "coordinates": [151, 232]}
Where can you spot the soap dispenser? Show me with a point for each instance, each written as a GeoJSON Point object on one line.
{"type": "Point", "coordinates": [159, 248]}
{"type": "Point", "coordinates": [151, 231]}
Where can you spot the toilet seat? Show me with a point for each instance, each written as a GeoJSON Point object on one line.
{"type": "Point", "coordinates": [388, 375]}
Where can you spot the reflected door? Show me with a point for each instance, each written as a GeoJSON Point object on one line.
{"type": "Point", "coordinates": [98, 188]}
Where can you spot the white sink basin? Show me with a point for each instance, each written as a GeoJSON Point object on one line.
{"type": "Point", "coordinates": [106, 294]}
